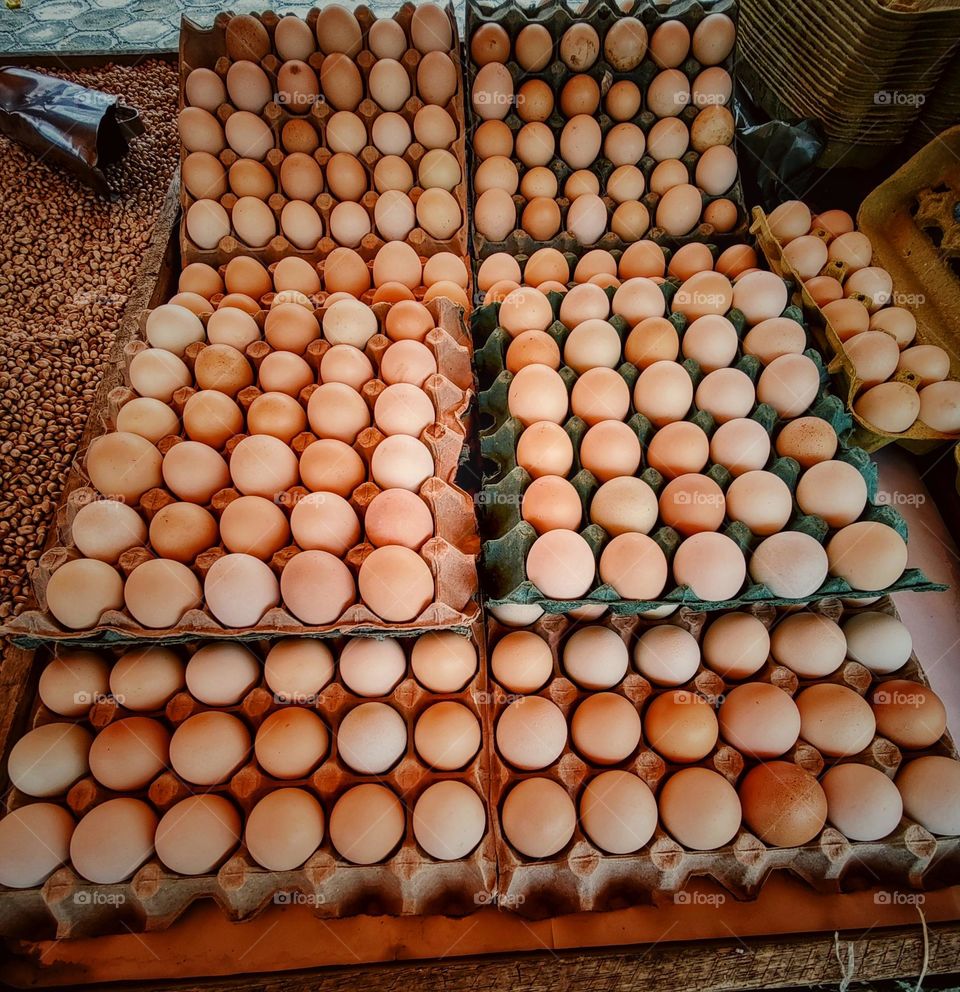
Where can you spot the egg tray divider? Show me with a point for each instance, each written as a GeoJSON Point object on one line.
{"type": "Point", "coordinates": [918, 438]}
{"type": "Point", "coordinates": [451, 553]}
{"type": "Point", "coordinates": [206, 48]}
{"type": "Point", "coordinates": [557, 16]}
{"type": "Point", "coordinates": [583, 878]}
{"type": "Point", "coordinates": [408, 883]}
{"type": "Point", "coordinates": [506, 538]}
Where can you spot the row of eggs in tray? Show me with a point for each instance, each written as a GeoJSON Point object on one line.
{"type": "Point", "coordinates": [699, 807]}
{"type": "Point", "coordinates": [877, 335]}
{"type": "Point", "coordinates": [394, 580]}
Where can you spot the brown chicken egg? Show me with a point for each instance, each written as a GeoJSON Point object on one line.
{"type": "Point", "coordinates": [929, 787]}
{"type": "Point", "coordinates": [740, 446]}
{"type": "Point", "coordinates": [197, 833]}
{"type": "Point", "coordinates": [791, 564]}
{"type": "Point", "coordinates": [809, 644]}
{"type": "Point", "coordinates": [239, 589]}
{"type": "Point", "coordinates": [222, 673]}
{"type": "Point", "coordinates": [700, 808]}
{"type": "Point", "coordinates": [736, 645]}
{"type": "Point", "coordinates": [759, 719]}
{"type": "Point", "coordinates": [835, 719]}
{"type": "Point", "coordinates": [129, 753]}
{"type": "Point", "coordinates": [711, 564]}
{"type": "Point", "coordinates": [783, 804]}
{"type": "Point", "coordinates": [181, 531]}
{"type": "Point", "coordinates": [367, 803]}
{"type": "Point", "coordinates": [396, 583]}
{"type": "Point", "coordinates": [284, 828]}
{"type": "Point", "coordinates": [681, 726]}
{"type": "Point", "coordinates": [113, 840]}
{"type": "Point", "coordinates": [862, 803]}
{"type": "Point", "coordinates": [317, 587]}
{"type": "Point", "coordinates": [34, 840]}
{"type": "Point", "coordinates": [867, 555]}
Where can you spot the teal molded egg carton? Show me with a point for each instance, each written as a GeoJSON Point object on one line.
{"type": "Point", "coordinates": [507, 538]}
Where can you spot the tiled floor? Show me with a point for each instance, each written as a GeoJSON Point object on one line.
{"type": "Point", "coordinates": [71, 27]}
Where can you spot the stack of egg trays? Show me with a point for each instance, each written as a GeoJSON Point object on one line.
{"type": "Point", "coordinates": [206, 48]}
{"type": "Point", "coordinates": [451, 553]}
{"type": "Point", "coordinates": [582, 877]}
{"type": "Point", "coordinates": [408, 882]}
{"type": "Point", "coordinates": [557, 16]}
{"type": "Point", "coordinates": [918, 437]}
{"type": "Point", "coordinates": [507, 537]}
{"type": "Point", "coordinates": [864, 70]}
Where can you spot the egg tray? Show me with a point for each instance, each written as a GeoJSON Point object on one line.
{"type": "Point", "coordinates": [918, 438]}
{"type": "Point", "coordinates": [582, 877]}
{"type": "Point", "coordinates": [206, 48]}
{"type": "Point", "coordinates": [409, 882]}
{"type": "Point", "coordinates": [451, 554]}
{"type": "Point", "coordinates": [557, 16]}
{"type": "Point", "coordinates": [839, 82]}
{"type": "Point", "coordinates": [507, 538]}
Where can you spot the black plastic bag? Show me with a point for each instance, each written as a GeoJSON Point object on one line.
{"type": "Point", "coordinates": [80, 129]}
{"type": "Point", "coordinates": [777, 158]}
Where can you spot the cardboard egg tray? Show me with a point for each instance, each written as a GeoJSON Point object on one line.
{"type": "Point", "coordinates": [864, 70]}
{"type": "Point", "coordinates": [507, 538]}
{"type": "Point", "coordinates": [557, 17]}
{"type": "Point", "coordinates": [206, 48]}
{"type": "Point", "coordinates": [911, 220]}
{"type": "Point", "coordinates": [408, 882]}
{"type": "Point", "coordinates": [918, 437]}
{"type": "Point", "coordinates": [451, 553]}
{"type": "Point", "coordinates": [582, 877]}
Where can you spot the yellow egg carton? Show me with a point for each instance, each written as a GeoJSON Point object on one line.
{"type": "Point", "coordinates": [918, 438]}
{"type": "Point", "coordinates": [409, 881]}
{"type": "Point", "coordinates": [207, 48]}
{"type": "Point", "coordinates": [583, 877]}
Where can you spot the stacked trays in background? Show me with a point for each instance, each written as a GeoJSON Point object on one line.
{"type": "Point", "coordinates": [865, 69]}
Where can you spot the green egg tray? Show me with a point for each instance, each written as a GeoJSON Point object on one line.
{"type": "Point", "coordinates": [507, 538]}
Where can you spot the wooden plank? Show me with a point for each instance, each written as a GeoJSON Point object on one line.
{"type": "Point", "coordinates": [877, 956]}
